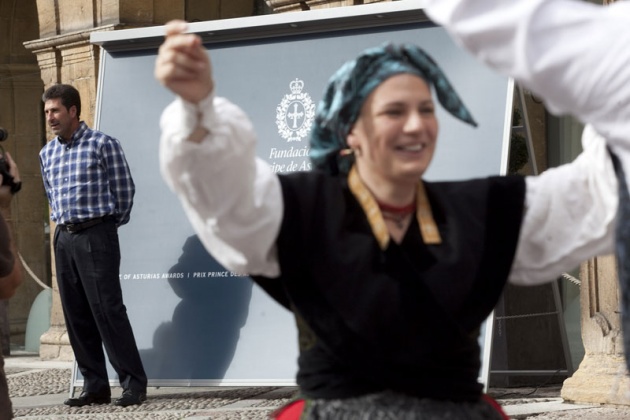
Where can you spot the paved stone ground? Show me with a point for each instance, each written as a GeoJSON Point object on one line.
{"type": "Point", "coordinates": [38, 393]}
{"type": "Point", "coordinates": [544, 403]}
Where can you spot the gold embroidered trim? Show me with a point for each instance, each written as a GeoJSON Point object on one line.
{"type": "Point", "coordinates": [373, 213]}
{"type": "Point", "coordinates": [428, 228]}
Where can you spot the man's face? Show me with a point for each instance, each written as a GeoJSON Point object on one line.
{"type": "Point", "coordinates": [62, 121]}
{"type": "Point", "coordinates": [395, 135]}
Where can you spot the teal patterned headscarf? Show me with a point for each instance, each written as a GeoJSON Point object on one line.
{"type": "Point", "coordinates": [349, 87]}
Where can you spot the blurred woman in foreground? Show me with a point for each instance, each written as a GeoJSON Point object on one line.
{"type": "Point", "coordinates": [390, 277]}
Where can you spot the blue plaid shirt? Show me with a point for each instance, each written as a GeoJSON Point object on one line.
{"type": "Point", "coordinates": [87, 178]}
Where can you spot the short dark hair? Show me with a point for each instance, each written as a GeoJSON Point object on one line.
{"type": "Point", "coordinates": [68, 94]}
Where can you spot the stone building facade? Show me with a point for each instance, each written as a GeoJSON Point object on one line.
{"type": "Point", "coordinates": [43, 42]}
{"type": "Point", "coordinates": [21, 115]}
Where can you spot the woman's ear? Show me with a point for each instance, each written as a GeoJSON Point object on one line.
{"type": "Point", "coordinates": [353, 142]}
{"type": "Point", "coordinates": [352, 139]}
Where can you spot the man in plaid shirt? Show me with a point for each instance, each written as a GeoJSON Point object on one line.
{"type": "Point", "coordinates": [90, 190]}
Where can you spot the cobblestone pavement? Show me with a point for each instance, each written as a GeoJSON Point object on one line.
{"type": "Point", "coordinates": [38, 390]}
{"type": "Point", "coordinates": [38, 393]}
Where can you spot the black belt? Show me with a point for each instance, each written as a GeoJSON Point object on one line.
{"type": "Point", "coordinates": [78, 227]}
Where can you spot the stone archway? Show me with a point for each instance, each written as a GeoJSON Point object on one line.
{"type": "Point", "coordinates": [20, 115]}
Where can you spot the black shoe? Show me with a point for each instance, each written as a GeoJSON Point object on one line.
{"type": "Point", "coordinates": [131, 397]}
{"type": "Point", "coordinates": [87, 398]}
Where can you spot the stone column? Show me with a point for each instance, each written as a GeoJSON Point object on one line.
{"type": "Point", "coordinates": [601, 377]}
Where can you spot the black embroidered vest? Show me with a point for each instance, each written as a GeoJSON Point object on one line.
{"type": "Point", "coordinates": [405, 318]}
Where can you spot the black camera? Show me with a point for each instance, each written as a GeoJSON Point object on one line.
{"type": "Point", "coordinates": [7, 178]}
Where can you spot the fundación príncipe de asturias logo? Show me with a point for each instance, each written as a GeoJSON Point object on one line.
{"type": "Point", "coordinates": [295, 113]}
{"type": "Point", "coordinates": [294, 116]}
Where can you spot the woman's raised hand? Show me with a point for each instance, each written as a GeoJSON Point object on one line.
{"type": "Point", "coordinates": [183, 65]}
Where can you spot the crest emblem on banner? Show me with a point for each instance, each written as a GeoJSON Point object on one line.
{"type": "Point", "coordinates": [295, 114]}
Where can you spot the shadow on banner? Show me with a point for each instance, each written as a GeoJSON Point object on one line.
{"type": "Point", "coordinates": [182, 350]}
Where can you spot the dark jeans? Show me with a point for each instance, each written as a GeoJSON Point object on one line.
{"type": "Point", "coordinates": [6, 409]}
{"type": "Point", "coordinates": [88, 265]}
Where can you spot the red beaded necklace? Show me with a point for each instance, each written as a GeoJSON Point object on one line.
{"type": "Point", "coordinates": [395, 213]}
{"type": "Point", "coordinates": [426, 223]}
{"type": "Point", "coordinates": [409, 208]}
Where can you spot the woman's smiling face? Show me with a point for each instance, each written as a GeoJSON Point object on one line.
{"type": "Point", "coordinates": [394, 137]}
